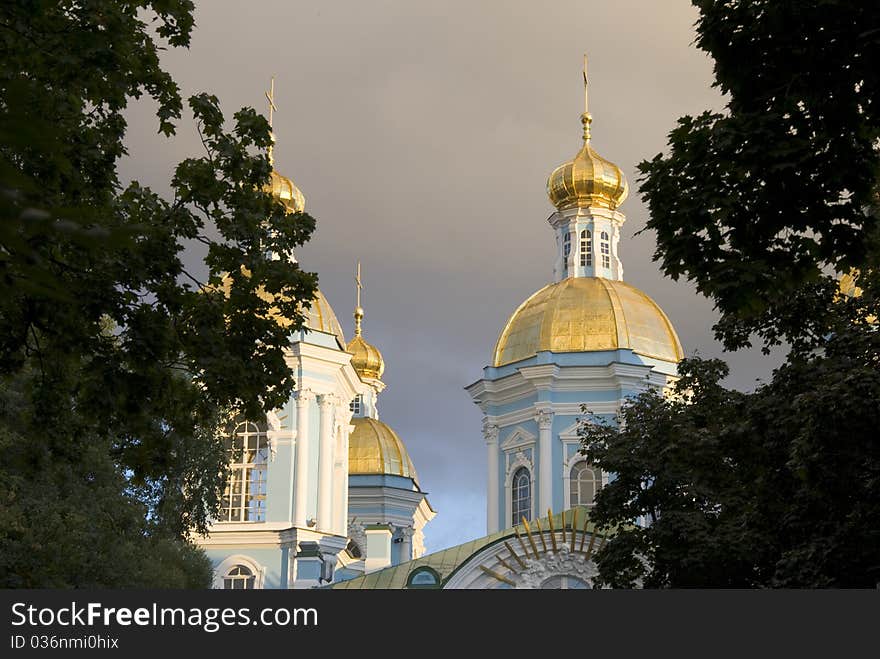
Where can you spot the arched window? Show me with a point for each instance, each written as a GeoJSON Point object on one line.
{"type": "Point", "coordinates": [244, 499]}
{"type": "Point", "coordinates": [564, 582]}
{"type": "Point", "coordinates": [586, 248]}
{"type": "Point", "coordinates": [521, 498]}
{"type": "Point", "coordinates": [566, 250]}
{"type": "Point", "coordinates": [239, 578]}
{"type": "Point", "coordinates": [605, 248]}
{"type": "Point", "coordinates": [585, 482]}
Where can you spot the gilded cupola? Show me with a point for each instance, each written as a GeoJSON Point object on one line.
{"type": "Point", "coordinates": [588, 180]}
{"type": "Point", "coordinates": [365, 358]}
{"type": "Point", "coordinates": [279, 186]}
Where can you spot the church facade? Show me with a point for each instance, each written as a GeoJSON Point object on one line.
{"type": "Point", "coordinates": [344, 506]}
{"type": "Point", "coordinates": [323, 490]}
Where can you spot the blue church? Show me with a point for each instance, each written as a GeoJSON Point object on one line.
{"type": "Point", "coordinates": [326, 494]}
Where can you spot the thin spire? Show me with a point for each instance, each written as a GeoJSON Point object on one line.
{"type": "Point", "coordinates": [586, 117]}
{"type": "Point", "coordinates": [270, 96]}
{"type": "Point", "coordinates": [586, 90]}
{"type": "Point", "coordinates": [358, 311]}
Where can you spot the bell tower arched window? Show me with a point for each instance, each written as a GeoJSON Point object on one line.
{"type": "Point", "coordinates": [585, 482]}
{"type": "Point", "coordinates": [586, 248]}
{"type": "Point", "coordinates": [521, 498]}
{"type": "Point", "coordinates": [244, 498]}
{"type": "Point", "coordinates": [605, 249]}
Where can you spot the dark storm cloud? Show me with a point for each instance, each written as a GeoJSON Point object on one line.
{"type": "Point", "coordinates": [422, 135]}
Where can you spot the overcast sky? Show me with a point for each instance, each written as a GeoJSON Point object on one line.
{"type": "Point", "coordinates": [422, 134]}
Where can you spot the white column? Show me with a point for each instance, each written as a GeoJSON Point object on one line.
{"type": "Point", "coordinates": [490, 433]}
{"type": "Point", "coordinates": [544, 417]}
{"type": "Point", "coordinates": [301, 491]}
{"type": "Point", "coordinates": [406, 547]}
{"type": "Point", "coordinates": [326, 404]}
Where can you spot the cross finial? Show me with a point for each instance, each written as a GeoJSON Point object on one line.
{"type": "Point", "coordinates": [270, 96]}
{"type": "Point", "coordinates": [586, 88]}
{"type": "Point", "coordinates": [358, 311]}
{"type": "Point", "coordinates": [586, 117]}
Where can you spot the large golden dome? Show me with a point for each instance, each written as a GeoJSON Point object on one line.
{"type": "Point", "coordinates": [319, 316]}
{"type": "Point", "coordinates": [374, 448]}
{"type": "Point", "coordinates": [587, 180]}
{"type": "Point", "coordinates": [581, 314]}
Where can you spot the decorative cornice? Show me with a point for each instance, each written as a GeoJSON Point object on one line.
{"type": "Point", "coordinates": [527, 380]}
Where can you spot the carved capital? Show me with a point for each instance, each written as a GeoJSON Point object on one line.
{"type": "Point", "coordinates": [544, 418]}
{"type": "Point", "coordinates": [328, 400]}
{"type": "Point", "coordinates": [490, 431]}
{"type": "Point", "coordinates": [303, 396]}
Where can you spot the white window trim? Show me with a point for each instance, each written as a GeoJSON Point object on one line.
{"type": "Point", "coordinates": [569, 437]}
{"type": "Point", "coordinates": [259, 571]}
{"type": "Point", "coordinates": [520, 461]}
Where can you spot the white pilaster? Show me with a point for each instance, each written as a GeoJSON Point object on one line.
{"type": "Point", "coordinates": [544, 418]}
{"type": "Point", "coordinates": [378, 549]}
{"type": "Point", "coordinates": [340, 468]}
{"type": "Point", "coordinates": [490, 433]}
{"type": "Point", "coordinates": [301, 491]}
{"type": "Point", "coordinates": [326, 404]}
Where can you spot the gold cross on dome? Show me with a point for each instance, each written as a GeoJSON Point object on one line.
{"type": "Point", "coordinates": [357, 280]}
{"type": "Point", "coordinates": [270, 96]}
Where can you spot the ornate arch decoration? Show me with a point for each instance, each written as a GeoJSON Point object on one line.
{"type": "Point", "coordinates": [259, 571]}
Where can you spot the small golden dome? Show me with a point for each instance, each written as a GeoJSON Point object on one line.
{"type": "Point", "coordinates": [588, 180]}
{"type": "Point", "coordinates": [374, 448]}
{"type": "Point", "coordinates": [366, 358]}
{"type": "Point", "coordinates": [284, 190]}
{"type": "Point", "coordinates": [582, 314]}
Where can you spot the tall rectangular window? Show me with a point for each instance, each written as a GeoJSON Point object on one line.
{"type": "Point", "coordinates": [586, 248]}
{"type": "Point", "coordinates": [605, 248]}
{"type": "Point", "coordinates": [244, 498]}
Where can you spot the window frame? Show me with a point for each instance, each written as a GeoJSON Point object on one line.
{"type": "Point", "coordinates": [575, 481]}
{"type": "Point", "coordinates": [586, 248]}
{"type": "Point", "coordinates": [245, 491]}
{"type": "Point", "coordinates": [524, 472]}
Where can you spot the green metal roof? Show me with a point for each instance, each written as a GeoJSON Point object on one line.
{"type": "Point", "coordinates": [446, 561]}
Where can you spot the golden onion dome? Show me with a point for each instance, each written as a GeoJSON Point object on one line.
{"type": "Point", "coordinates": [284, 190]}
{"type": "Point", "coordinates": [374, 448]}
{"type": "Point", "coordinates": [587, 180]}
{"type": "Point", "coordinates": [365, 358]}
{"type": "Point", "coordinates": [581, 314]}
{"type": "Point", "coordinates": [319, 316]}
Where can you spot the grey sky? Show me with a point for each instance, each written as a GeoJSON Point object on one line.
{"type": "Point", "coordinates": [422, 134]}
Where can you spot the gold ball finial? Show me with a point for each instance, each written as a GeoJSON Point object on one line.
{"type": "Point", "coordinates": [586, 120]}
